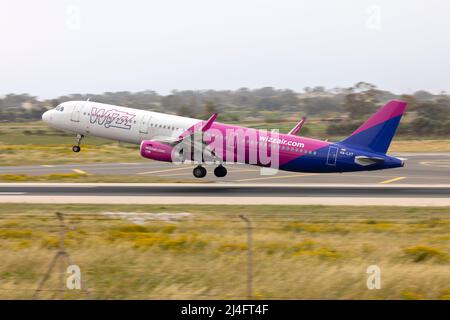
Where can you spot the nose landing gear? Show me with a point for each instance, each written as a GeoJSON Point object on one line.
{"type": "Point", "coordinates": [77, 148]}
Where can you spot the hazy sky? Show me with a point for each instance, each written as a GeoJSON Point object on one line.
{"type": "Point", "coordinates": [55, 47]}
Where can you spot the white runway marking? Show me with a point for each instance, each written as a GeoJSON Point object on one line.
{"type": "Point", "coordinates": [220, 184]}
{"type": "Point", "coordinates": [11, 193]}
{"type": "Point", "coordinates": [79, 171]}
{"type": "Point", "coordinates": [166, 170]}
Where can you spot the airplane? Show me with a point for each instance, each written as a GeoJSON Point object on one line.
{"type": "Point", "coordinates": [164, 137]}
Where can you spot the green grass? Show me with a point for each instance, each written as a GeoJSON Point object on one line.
{"type": "Point", "coordinates": [299, 251]}
{"type": "Point", "coordinates": [38, 133]}
{"type": "Point", "coordinates": [37, 144]}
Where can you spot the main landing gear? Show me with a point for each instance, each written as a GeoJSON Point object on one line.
{"type": "Point", "coordinates": [200, 172]}
{"type": "Point", "coordinates": [220, 171]}
{"type": "Point", "coordinates": [77, 148]}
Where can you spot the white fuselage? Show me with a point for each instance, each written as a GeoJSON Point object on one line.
{"type": "Point", "coordinates": [116, 123]}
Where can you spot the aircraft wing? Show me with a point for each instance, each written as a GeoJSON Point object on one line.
{"type": "Point", "coordinates": [205, 125]}
{"type": "Point", "coordinates": [202, 126]}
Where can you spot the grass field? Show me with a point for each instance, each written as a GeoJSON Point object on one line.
{"type": "Point", "coordinates": [194, 252]}
{"type": "Point", "coordinates": [36, 144]}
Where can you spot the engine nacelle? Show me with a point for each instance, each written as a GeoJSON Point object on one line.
{"type": "Point", "coordinates": [159, 151]}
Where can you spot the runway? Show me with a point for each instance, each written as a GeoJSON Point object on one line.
{"type": "Point", "coordinates": [420, 169]}
{"type": "Point", "coordinates": [425, 181]}
{"type": "Point", "coordinates": [223, 193]}
{"type": "Point", "coordinates": [228, 190]}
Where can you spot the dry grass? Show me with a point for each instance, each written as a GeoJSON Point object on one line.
{"type": "Point", "coordinates": [300, 252]}
{"type": "Point", "coordinates": [61, 154]}
{"type": "Point", "coordinates": [37, 144]}
{"type": "Point", "coordinates": [114, 152]}
{"type": "Point", "coordinates": [420, 146]}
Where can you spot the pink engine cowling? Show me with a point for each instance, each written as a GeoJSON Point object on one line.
{"type": "Point", "coordinates": [158, 151]}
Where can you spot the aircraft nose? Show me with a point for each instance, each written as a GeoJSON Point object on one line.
{"type": "Point", "coordinates": [46, 116]}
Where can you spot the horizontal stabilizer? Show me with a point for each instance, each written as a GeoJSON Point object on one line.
{"type": "Point", "coordinates": [367, 161]}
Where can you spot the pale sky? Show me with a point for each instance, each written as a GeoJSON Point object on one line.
{"type": "Point", "coordinates": [55, 47]}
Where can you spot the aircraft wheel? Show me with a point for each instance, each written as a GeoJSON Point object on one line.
{"type": "Point", "coordinates": [199, 172]}
{"type": "Point", "coordinates": [220, 171]}
{"type": "Point", "coordinates": [76, 148]}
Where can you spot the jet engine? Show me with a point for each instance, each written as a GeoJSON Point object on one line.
{"type": "Point", "coordinates": [160, 151]}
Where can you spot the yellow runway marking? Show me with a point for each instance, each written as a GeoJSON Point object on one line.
{"type": "Point", "coordinates": [166, 170]}
{"type": "Point", "coordinates": [279, 177]}
{"type": "Point", "coordinates": [393, 180]}
{"type": "Point", "coordinates": [79, 171]}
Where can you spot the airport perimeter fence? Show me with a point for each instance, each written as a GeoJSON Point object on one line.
{"type": "Point", "coordinates": [155, 255]}
{"type": "Point", "coordinates": [61, 259]}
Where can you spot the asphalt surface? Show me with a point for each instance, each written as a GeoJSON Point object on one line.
{"type": "Point", "coordinates": [225, 190]}
{"type": "Point", "coordinates": [420, 169]}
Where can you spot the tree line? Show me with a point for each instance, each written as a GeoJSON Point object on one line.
{"type": "Point", "coordinates": [346, 106]}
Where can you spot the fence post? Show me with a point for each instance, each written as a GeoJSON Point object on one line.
{"type": "Point", "coordinates": [60, 254]}
{"type": "Point", "coordinates": [249, 257]}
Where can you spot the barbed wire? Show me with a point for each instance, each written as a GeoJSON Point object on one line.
{"type": "Point", "coordinates": [158, 297]}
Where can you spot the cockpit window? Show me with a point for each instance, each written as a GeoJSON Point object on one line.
{"type": "Point", "coordinates": [59, 108]}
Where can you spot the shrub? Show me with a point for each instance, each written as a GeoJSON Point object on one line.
{"type": "Point", "coordinates": [423, 253]}
{"type": "Point", "coordinates": [15, 234]}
